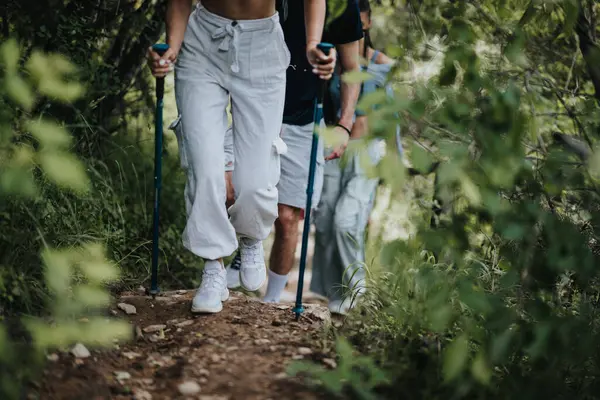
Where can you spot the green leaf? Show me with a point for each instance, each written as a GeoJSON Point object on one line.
{"type": "Point", "coordinates": [10, 53]}
{"type": "Point", "coordinates": [49, 133]}
{"type": "Point", "coordinates": [470, 190]}
{"type": "Point", "coordinates": [421, 159]}
{"type": "Point", "coordinates": [89, 296]}
{"type": "Point", "coordinates": [99, 272]}
{"type": "Point", "coordinates": [65, 170]}
{"type": "Point", "coordinates": [369, 100]}
{"type": "Point", "coordinates": [62, 91]}
{"type": "Point", "coordinates": [440, 317]}
{"type": "Point", "coordinates": [335, 8]}
{"type": "Point", "coordinates": [455, 358]}
{"type": "Point", "coordinates": [356, 77]}
{"type": "Point", "coordinates": [20, 92]}
{"type": "Point", "coordinates": [501, 345]}
{"type": "Point", "coordinates": [17, 181]}
{"type": "Point", "coordinates": [480, 369]}
{"type": "Point", "coordinates": [515, 49]}
{"type": "Point", "coordinates": [58, 270]}
{"type": "Point", "coordinates": [571, 8]}
{"type": "Point", "coordinates": [513, 231]}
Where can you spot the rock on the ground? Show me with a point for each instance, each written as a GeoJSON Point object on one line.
{"type": "Point", "coordinates": [128, 309]}
{"type": "Point", "coordinates": [210, 397]}
{"type": "Point", "coordinates": [318, 311]}
{"type": "Point", "coordinates": [52, 357]}
{"type": "Point", "coordinates": [80, 351]}
{"type": "Point", "coordinates": [184, 323]}
{"type": "Point", "coordinates": [188, 388]}
{"type": "Point", "coordinates": [260, 342]}
{"type": "Point", "coordinates": [154, 328]}
{"type": "Point", "coordinates": [131, 355]}
{"type": "Point", "coordinates": [203, 372]}
{"type": "Point", "coordinates": [329, 362]}
{"type": "Point", "coordinates": [304, 351]}
{"type": "Point", "coordinates": [140, 394]}
{"type": "Point", "coordinates": [122, 375]}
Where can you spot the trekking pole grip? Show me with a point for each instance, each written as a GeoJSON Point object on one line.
{"type": "Point", "coordinates": [326, 49]}
{"type": "Point", "coordinates": [160, 49]}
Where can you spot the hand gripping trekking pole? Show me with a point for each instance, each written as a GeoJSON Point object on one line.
{"type": "Point", "coordinates": [317, 116]}
{"type": "Point", "coordinates": [158, 145]}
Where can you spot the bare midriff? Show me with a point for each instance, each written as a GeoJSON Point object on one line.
{"type": "Point", "coordinates": [241, 9]}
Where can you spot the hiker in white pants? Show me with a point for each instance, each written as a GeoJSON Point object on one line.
{"type": "Point", "coordinates": [297, 131]}
{"type": "Point", "coordinates": [228, 49]}
{"type": "Point", "coordinates": [348, 196]}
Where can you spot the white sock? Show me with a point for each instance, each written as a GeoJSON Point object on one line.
{"type": "Point", "coordinates": [215, 265]}
{"type": "Point", "coordinates": [275, 287]}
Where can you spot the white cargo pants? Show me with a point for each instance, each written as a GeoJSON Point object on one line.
{"type": "Point", "coordinates": [246, 60]}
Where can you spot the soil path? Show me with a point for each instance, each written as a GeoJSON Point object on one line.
{"type": "Point", "coordinates": [240, 353]}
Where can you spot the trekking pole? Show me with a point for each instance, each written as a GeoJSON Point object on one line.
{"type": "Point", "coordinates": [160, 48]}
{"type": "Point", "coordinates": [317, 116]}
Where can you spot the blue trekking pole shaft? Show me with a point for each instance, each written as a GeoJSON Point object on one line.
{"type": "Point", "coordinates": [317, 116]}
{"type": "Point", "coordinates": [158, 145]}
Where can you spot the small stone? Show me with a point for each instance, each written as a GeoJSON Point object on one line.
{"type": "Point", "coordinates": [189, 388]}
{"type": "Point", "coordinates": [131, 355]}
{"type": "Point", "coordinates": [154, 328]}
{"type": "Point", "coordinates": [79, 361]}
{"type": "Point", "coordinates": [282, 307]}
{"type": "Point", "coordinates": [181, 291]}
{"type": "Point", "coordinates": [213, 397]}
{"type": "Point", "coordinates": [141, 290]}
{"type": "Point", "coordinates": [232, 348]}
{"type": "Point", "coordinates": [281, 375]}
{"type": "Point", "coordinates": [297, 357]}
{"type": "Point", "coordinates": [329, 362]}
{"type": "Point", "coordinates": [80, 351]}
{"type": "Point", "coordinates": [277, 322]}
{"type": "Point", "coordinates": [140, 394]}
{"type": "Point", "coordinates": [203, 380]}
{"type": "Point", "coordinates": [184, 323]}
{"type": "Point", "coordinates": [114, 312]}
{"type": "Point", "coordinates": [174, 321]}
{"type": "Point", "coordinates": [127, 308]}
{"type": "Point", "coordinates": [52, 357]}
{"type": "Point", "coordinates": [260, 342]}
{"type": "Point", "coordinates": [147, 381]}
{"type": "Point", "coordinates": [237, 319]}
{"type": "Point", "coordinates": [155, 338]}
{"type": "Point", "coordinates": [215, 358]}
{"type": "Point", "coordinates": [204, 372]}
{"type": "Point", "coordinates": [122, 375]}
{"type": "Point", "coordinates": [304, 351]}
{"type": "Point", "coordinates": [138, 333]}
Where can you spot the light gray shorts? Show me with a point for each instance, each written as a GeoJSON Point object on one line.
{"type": "Point", "coordinates": [295, 165]}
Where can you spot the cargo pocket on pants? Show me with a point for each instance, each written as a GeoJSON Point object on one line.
{"type": "Point", "coordinates": [177, 127]}
{"type": "Point", "coordinates": [278, 148]}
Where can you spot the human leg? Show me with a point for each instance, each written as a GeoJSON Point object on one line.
{"type": "Point", "coordinates": [258, 92]}
{"type": "Point", "coordinates": [292, 200]}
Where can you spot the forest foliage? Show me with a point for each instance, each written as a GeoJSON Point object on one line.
{"type": "Point", "coordinates": [496, 294]}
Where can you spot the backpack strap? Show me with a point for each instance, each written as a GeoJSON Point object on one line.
{"type": "Point", "coordinates": [374, 56]}
{"type": "Point", "coordinates": [282, 9]}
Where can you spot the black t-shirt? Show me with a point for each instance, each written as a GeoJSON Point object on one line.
{"type": "Point", "coordinates": [302, 84]}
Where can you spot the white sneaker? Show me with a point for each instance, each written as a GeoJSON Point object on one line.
{"type": "Point", "coordinates": [233, 272]}
{"type": "Point", "coordinates": [341, 307]}
{"type": "Point", "coordinates": [253, 271]}
{"type": "Point", "coordinates": [213, 291]}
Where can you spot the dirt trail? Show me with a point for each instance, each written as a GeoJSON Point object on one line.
{"type": "Point", "coordinates": [241, 353]}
